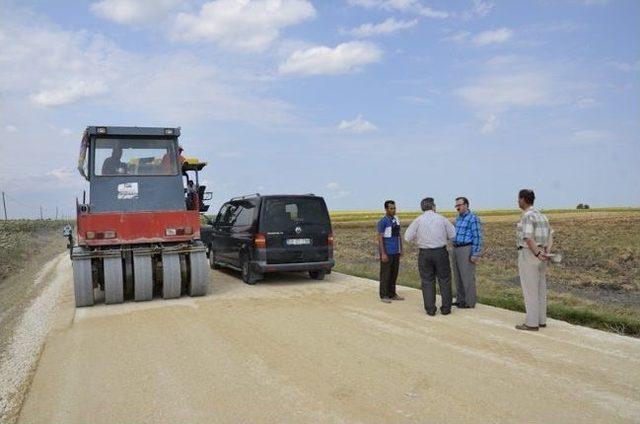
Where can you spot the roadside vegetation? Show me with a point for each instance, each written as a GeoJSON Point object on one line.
{"type": "Point", "coordinates": [597, 284]}
{"type": "Point", "coordinates": [21, 240]}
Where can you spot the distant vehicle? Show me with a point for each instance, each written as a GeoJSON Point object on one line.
{"type": "Point", "coordinates": [258, 234]}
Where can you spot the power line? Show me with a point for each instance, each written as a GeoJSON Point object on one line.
{"type": "Point", "coordinates": [21, 203]}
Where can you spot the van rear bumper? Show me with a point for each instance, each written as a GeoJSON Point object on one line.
{"type": "Point", "coordinates": [263, 267]}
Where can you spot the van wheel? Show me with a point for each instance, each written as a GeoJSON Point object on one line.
{"type": "Point", "coordinates": [248, 276]}
{"type": "Point", "coordinates": [317, 275]}
{"type": "Point", "coordinates": [212, 259]}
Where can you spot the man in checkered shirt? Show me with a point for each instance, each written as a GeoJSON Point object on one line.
{"type": "Point", "coordinates": [534, 241]}
{"type": "Point", "coordinates": [466, 251]}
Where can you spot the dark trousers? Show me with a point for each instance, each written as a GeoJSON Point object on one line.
{"type": "Point", "coordinates": [388, 276]}
{"type": "Point", "coordinates": [434, 263]}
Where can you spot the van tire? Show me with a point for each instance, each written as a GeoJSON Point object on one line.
{"type": "Point", "coordinates": [317, 275]}
{"type": "Point", "coordinates": [248, 276]}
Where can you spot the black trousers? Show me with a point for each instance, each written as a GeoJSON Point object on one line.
{"type": "Point", "coordinates": [388, 276]}
{"type": "Point", "coordinates": [434, 263]}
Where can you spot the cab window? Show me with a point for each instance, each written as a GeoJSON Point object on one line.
{"type": "Point", "coordinates": [114, 157]}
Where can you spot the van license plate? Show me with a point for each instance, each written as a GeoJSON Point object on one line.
{"type": "Point", "coordinates": [298, 242]}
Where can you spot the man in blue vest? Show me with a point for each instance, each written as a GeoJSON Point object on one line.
{"type": "Point", "coordinates": [390, 248]}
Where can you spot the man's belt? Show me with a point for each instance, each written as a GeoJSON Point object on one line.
{"type": "Point", "coordinates": [461, 244]}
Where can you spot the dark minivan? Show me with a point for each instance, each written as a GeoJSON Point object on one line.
{"type": "Point", "coordinates": [258, 234]}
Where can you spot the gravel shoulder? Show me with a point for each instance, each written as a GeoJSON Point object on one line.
{"type": "Point", "coordinates": [296, 350]}
{"type": "Point", "coordinates": [29, 300]}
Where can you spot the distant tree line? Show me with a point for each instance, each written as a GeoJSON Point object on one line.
{"type": "Point", "coordinates": [582, 206]}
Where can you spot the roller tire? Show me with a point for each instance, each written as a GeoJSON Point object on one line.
{"type": "Point", "coordinates": [83, 282]}
{"type": "Point", "coordinates": [113, 280]}
{"type": "Point", "coordinates": [143, 278]}
{"type": "Point", "coordinates": [199, 276]}
{"type": "Point", "coordinates": [171, 277]}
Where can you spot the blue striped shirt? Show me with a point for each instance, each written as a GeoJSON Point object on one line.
{"type": "Point", "coordinates": [469, 230]}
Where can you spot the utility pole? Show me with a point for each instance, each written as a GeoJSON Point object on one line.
{"type": "Point", "coordinates": [4, 206]}
{"type": "Point", "coordinates": [41, 218]}
{"type": "Point", "coordinates": [56, 213]}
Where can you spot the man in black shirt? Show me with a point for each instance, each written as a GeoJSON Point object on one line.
{"type": "Point", "coordinates": [112, 164]}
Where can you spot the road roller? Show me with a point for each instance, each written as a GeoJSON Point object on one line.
{"type": "Point", "coordinates": [138, 227]}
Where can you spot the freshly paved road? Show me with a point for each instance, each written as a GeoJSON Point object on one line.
{"type": "Point", "coordinates": [293, 350]}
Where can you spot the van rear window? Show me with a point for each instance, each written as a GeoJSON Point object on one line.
{"type": "Point", "coordinates": [286, 213]}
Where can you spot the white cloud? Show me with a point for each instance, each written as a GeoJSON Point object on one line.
{"type": "Point", "coordinates": [336, 191]}
{"type": "Point", "coordinates": [69, 93]}
{"type": "Point", "coordinates": [458, 37]}
{"type": "Point", "coordinates": [516, 85]}
{"type": "Point", "coordinates": [480, 9]}
{"type": "Point", "coordinates": [410, 6]}
{"type": "Point", "coordinates": [47, 66]}
{"type": "Point", "coordinates": [595, 2]}
{"type": "Point", "coordinates": [415, 99]}
{"type": "Point", "coordinates": [490, 124]}
{"type": "Point", "coordinates": [430, 13]}
{"type": "Point", "coordinates": [322, 60]}
{"type": "Point", "coordinates": [241, 24]}
{"type": "Point", "coordinates": [625, 66]}
{"type": "Point", "coordinates": [591, 135]}
{"type": "Point", "coordinates": [11, 128]}
{"type": "Point", "coordinates": [496, 36]}
{"type": "Point", "coordinates": [359, 125]}
{"type": "Point", "coordinates": [499, 62]}
{"type": "Point", "coordinates": [389, 26]}
{"type": "Point", "coordinates": [62, 174]}
{"type": "Point", "coordinates": [586, 103]}
{"type": "Point", "coordinates": [52, 67]}
{"type": "Point", "coordinates": [135, 12]}
{"type": "Point", "coordinates": [333, 186]}
{"type": "Point", "coordinates": [502, 91]}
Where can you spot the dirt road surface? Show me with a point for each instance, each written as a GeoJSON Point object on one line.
{"type": "Point", "coordinates": [294, 350]}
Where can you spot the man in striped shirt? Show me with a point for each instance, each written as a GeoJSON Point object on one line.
{"type": "Point", "coordinates": [466, 252]}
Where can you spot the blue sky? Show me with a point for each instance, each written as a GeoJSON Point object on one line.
{"type": "Point", "coordinates": [356, 100]}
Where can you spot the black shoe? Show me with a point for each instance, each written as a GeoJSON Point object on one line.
{"type": "Point", "coordinates": [445, 312]}
{"type": "Point", "coordinates": [432, 313]}
{"type": "Point", "coordinates": [457, 304]}
{"type": "Point", "coordinates": [525, 327]}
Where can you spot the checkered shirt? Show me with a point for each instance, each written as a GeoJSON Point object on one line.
{"type": "Point", "coordinates": [533, 225]}
{"type": "Point", "coordinates": [469, 231]}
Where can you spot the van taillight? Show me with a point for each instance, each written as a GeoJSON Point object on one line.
{"type": "Point", "coordinates": [330, 239]}
{"type": "Point", "coordinates": [260, 241]}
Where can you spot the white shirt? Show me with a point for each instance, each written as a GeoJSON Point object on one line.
{"type": "Point", "coordinates": [430, 230]}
